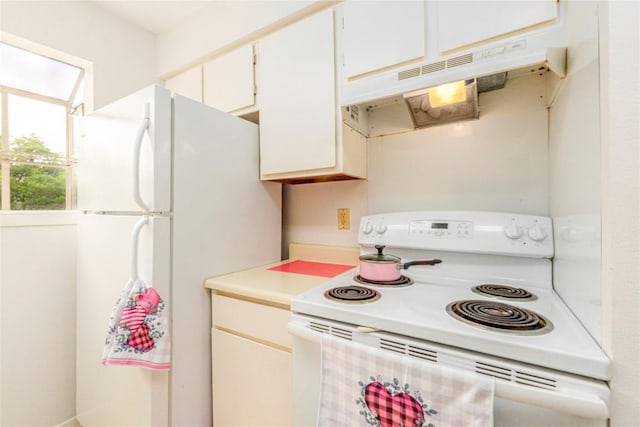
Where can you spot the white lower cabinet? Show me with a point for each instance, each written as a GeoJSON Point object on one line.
{"type": "Point", "coordinates": [252, 364]}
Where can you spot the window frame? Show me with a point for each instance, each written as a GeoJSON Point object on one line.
{"type": "Point", "coordinates": [69, 162]}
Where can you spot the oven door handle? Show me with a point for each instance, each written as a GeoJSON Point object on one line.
{"type": "Point", "coordinates": [584, 406]}
{"type": "Point", "coordinates": [316, 336]}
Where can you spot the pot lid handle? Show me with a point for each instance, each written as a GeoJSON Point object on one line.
{"type": "Point", "coordinates": [379, 257]}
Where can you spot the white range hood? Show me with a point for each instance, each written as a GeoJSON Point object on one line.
{"type": "Point", "coordinates": [526, 53]}
{"type": "Point", "coordinates": [486, 67]}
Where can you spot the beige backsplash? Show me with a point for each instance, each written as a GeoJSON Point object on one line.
{"type": "Point", "coordinates": [347, 255]}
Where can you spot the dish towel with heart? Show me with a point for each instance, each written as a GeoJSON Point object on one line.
{"type": "Point", "coordinates": [138, 333]}
{"type": "Point", "coordinates": [366, 386]}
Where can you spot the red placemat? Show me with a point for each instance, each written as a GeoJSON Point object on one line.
{"type": "Point", "coordinates": [312, 268]}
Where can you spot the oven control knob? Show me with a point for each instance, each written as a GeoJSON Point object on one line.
{"type": "Point", "coordinates": [381, 228]}
{"type": "Point", "coordinates": [513, 230]}
{"type": "Point", "coordinates": [367, 228]}
{"type": "Point", "coordinates": [537, 233]}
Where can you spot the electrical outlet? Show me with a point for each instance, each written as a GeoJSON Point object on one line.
{"type": "Point", "coordinates": [343, 219]}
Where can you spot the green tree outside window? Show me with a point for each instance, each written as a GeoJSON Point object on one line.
{"type": "Point", "coordinates": [35, 186]}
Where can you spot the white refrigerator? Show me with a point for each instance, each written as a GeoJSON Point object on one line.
{"type": "Point", "coordinates": [194, 172]}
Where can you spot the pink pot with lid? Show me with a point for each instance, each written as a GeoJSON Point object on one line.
{"type": "Point", "coordinates": [381, 267]}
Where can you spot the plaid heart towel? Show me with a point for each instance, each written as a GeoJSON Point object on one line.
{"type": "Point", "coordinates": [365, 386]}
{"type": "Point", "coordinates": [138, 332]}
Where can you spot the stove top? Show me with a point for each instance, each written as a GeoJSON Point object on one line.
{"type": "Point", "coordinates": [492, 293]}
{"type": "Point", "coordinates": [420, 311]}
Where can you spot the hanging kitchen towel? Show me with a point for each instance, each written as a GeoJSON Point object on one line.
{"type": "Point", "coordinates": [138, 333]}
{"type": "Point", "coordinates": [366, 386]}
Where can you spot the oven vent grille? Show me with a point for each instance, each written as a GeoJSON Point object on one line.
{"type": "Point", "coordinates": [331, 330]}
{"type": "Point", "coordinates": [432, 68]}
{"type": "Point", "coordinates": [519, 377]}
{"type": "Point", "coordinates": [459, 60]}
{"type": "Point", "coordinates": [497, 371]}
{"type": "Point", "coordinates": [410, 350]}
{"type": "Point", "coordinates": [407, 74]}
{"type": "Point", "coordinates": [436, 66]}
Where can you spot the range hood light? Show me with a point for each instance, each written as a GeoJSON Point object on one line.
{"type": "Point", "coordinates": [459, 107]}
{"type": "Point", "coordinates": [447, 94]}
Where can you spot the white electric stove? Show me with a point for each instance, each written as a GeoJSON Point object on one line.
{"type": "Point", "coordinates": [489, 307]}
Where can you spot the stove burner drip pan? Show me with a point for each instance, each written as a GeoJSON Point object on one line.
{"type": "Point", "coordinates": [402, 281]}
{"type": "Point", "coordinates": [504, 292]}
{"type": "Point", "coordinates": [499, 317]}
{"type": "Point", "coordinates": [352, 294]}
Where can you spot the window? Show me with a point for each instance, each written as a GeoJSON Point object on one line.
{"type": "Point", "coordinates": [38, 96]}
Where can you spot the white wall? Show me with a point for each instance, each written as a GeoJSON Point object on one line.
{"type": "Point", "coordinates": [575, 202]}
{"type": "Point", "coordinates": [123, 55]}
{"type": "Point", "coordinates": [488, 164]}
{"type": "Point", "coordinates": [310, 212]}
{"type": "Point", "coordinates": [620, 107]}
{"type": "Point", "coordinates": [37, 318]}
{"type": "Point", "coordinates": [498, 162]}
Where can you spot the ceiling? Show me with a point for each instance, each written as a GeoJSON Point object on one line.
{"type": "Point", "coordinates": [155, 16]}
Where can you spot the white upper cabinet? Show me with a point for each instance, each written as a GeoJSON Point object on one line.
{"type": "Point", "coordinates": [228, 80]}
{"type": "Point", "coordinates": [462, 23]}
{"type": "Point", "coordinates": [300, 134]}
{"type": "Point", "coordinates": [187, 83]}
{"type": "Point", "coordinates": [381, 34]}
{"type": "Point", "coordinates": [387, 48]}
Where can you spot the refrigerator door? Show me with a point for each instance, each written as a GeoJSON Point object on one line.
{"type": "Point", "coordinates": [121, 159]}
{"type": "Point", "coordinates": [224, 220]}
{"type": "Point", "coordinates": [114, 395]}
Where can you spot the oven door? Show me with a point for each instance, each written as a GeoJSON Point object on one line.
{"type": "Point", "coordinates": [558, 399]}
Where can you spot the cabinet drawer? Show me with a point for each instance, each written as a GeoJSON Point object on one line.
{"type": "Point", "coordinates": [259, 321]}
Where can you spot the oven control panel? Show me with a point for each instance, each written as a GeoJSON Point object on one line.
{"type": "Point", "coordinates": [441, 229]}
{"type": "Point", "coordinates": [461, 231]}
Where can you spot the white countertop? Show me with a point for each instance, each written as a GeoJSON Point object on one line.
{"type": "Point", "coordinates": [264, 284]}
{"type": "Point", "coordinates": [277, 287]}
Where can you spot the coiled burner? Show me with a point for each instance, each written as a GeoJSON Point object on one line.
{"type": "Point", "coordinates": [402, 281]}
{"type": "Point", "coordinates": [504, 292]}
{"type": "Point", "coordinates": [499, 316]}
{"type": "Point", "coordinates": [352, 294]}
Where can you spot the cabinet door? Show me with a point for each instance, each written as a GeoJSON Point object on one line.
{"type": "Point", "coordinates": [187, 83]}
{"type": "Point", "coordinates": [380, 34]}
{"type": "Point", "coordinates": [252, 383]}
{"type": "Point", "coordinates": [462, 23]}
{"type": "Point", "coordinates": [229, 80]}
{"type": "Point", "coordinates": [297, 96]}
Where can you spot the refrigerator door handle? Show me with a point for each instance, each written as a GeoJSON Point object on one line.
{"type": "Point", "coordinates": [144, 127]}
{"type": "Point", "coordinates": [135, 240]}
